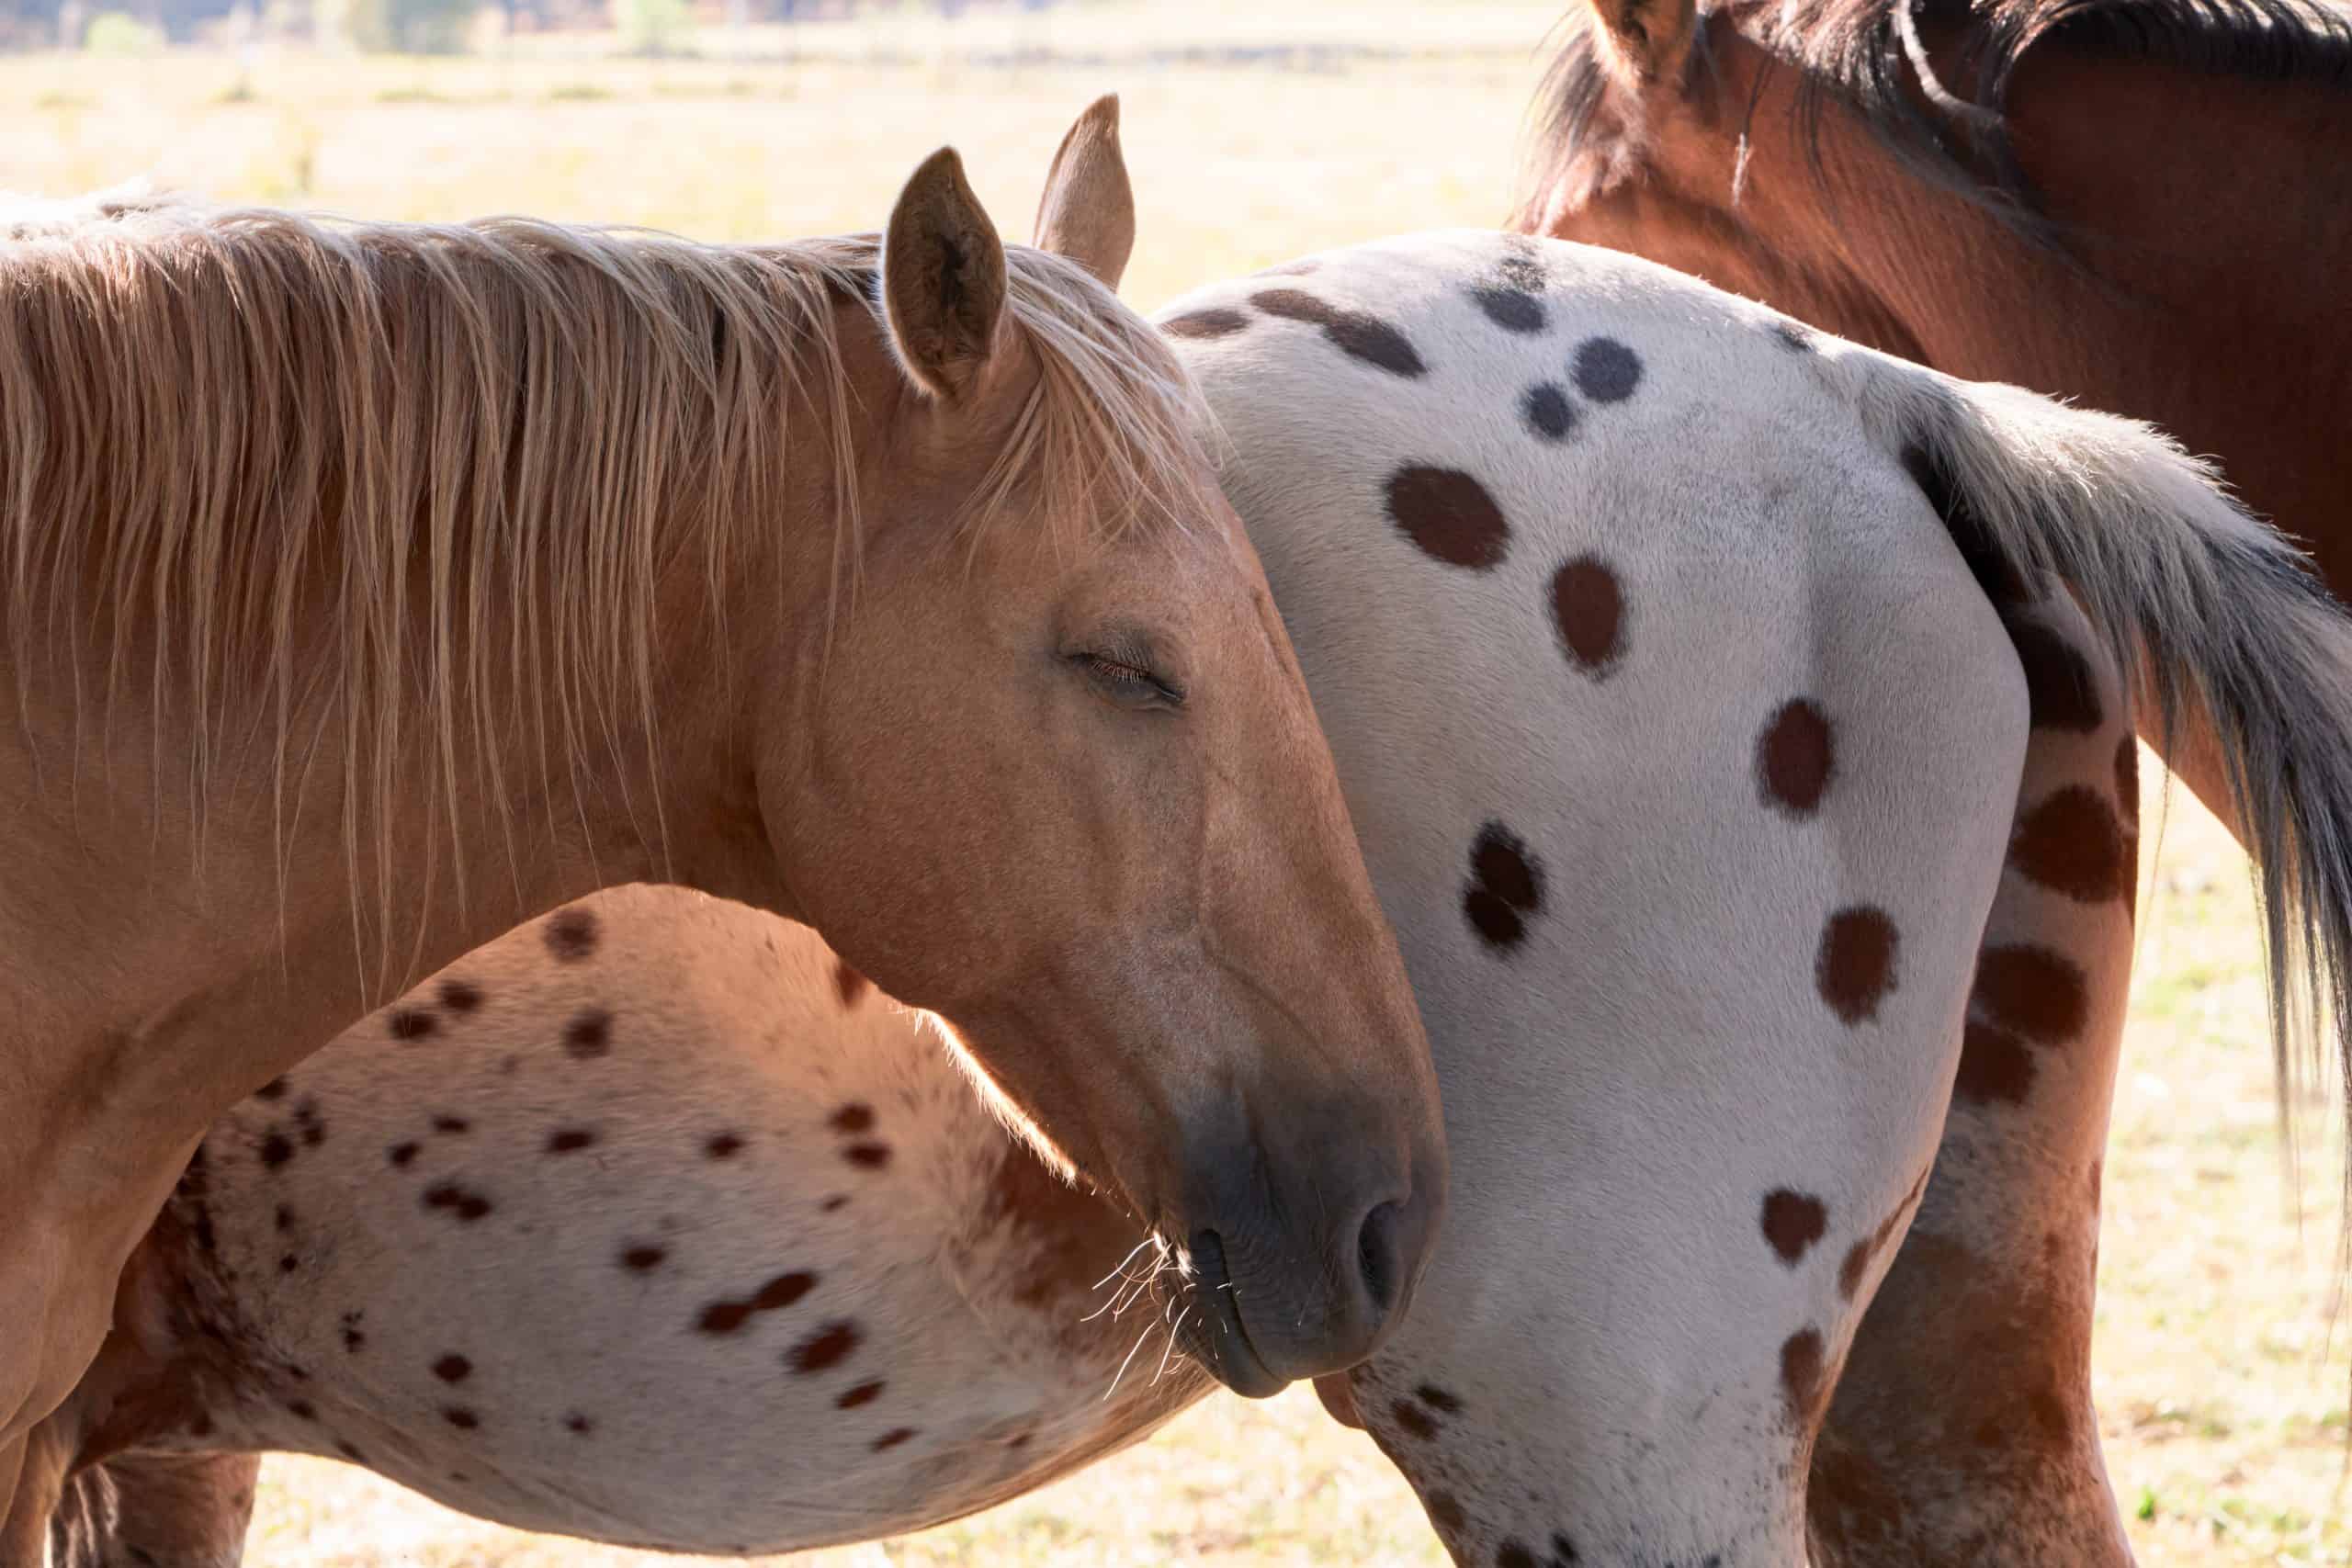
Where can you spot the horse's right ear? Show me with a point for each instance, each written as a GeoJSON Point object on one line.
{"type": "Point", "coordinates": [1088, 212]}
{"type": "Point", "coordinates": [942, 278]}
{"type": "Point", "coordinates": [1650, 38]}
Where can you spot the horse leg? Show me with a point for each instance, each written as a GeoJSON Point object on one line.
{"type": "Point", "coordinates": [190, 1510]}
{"type": "Point", "coordinates": [1962, 1431]}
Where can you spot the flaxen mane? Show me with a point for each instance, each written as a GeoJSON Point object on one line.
{"type": "Point", "coordinates": [283, 468]}
{"type": "Point", "coordinates": [1949, 131]}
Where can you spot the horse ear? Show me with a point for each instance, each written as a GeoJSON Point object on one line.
{"type": "Point", "coordinates": [1650, 37]}
{"type": "Point", "coordinates": [942, 278]}
{"type": "Point", "coordinates": [1088, 212]}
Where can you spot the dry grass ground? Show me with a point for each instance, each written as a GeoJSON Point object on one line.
{"type": "Point", "coordinates": [2222, 1392]}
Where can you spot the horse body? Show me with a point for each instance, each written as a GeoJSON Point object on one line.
{"type": "Point", "coordinates": [761, 1273]}
{"type": "Point", "coordinates": [2144, 207]}
{"type": "Point", "coordinates": [372, 588]}
{"type": "Point", "coordinates": [1729, 789]}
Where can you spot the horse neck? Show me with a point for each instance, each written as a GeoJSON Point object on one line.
{"type": "Point", "coordinates": [229, 924]}
{"type": "Point", "coordinates": [2207, 225]}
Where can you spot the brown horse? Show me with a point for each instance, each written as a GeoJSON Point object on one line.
{"type": "Point", "coordinates": [370, 587]}
{"type": "Point", "coordinates": [2142, 204]}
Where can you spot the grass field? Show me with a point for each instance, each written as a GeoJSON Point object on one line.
{"type": "Point", "coordinates": [1255, 131]}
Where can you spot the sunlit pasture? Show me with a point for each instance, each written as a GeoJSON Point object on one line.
{"type": "Point", "coordinates": [1255, 131]}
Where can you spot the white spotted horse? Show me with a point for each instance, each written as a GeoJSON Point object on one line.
{"type": "Point", "coordinates": [1754, 811]}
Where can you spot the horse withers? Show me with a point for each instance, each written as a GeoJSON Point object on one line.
{"type": "Point", "coordinates": [370, 587]}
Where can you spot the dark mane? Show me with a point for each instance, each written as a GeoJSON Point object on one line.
{"type": "Point", "coordinates": [1951, 132]}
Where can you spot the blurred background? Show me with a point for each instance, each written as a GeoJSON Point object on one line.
{"type": "Point", "coordinates": [1255, 131]}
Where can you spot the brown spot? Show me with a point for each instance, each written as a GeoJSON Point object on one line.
{"type": "Point", "coordinates": [202, 1426]}
{"type": "Point", "coordinates": [727, 1316]}
{"type": "Point", "coordinates": [784, 1289]}
{"type": "Point", "coordinates": [274, 1089]}
{"type": "Point", "coordinates": [829, 1347]}
{"type": "Point", "coordinates": [349, 1451]}
{"type": "Point", "coordinates": [1793, 336]}
{"type": "Point", "coordinates": [1855, 968]}
{"type": "Point", "coordinates": [724, 1317]}
{"type": "Point", "coordinates": [285, 1217]}
{"type": "Point", "coordinates": [1506, 886]}
{"type": "Point", "coordinates": [868, 1156]}
{"type": "Point", "coordinates": [568, 1139]}
{"type": "Point", "coordinates": [572, 934]}
{"type": "Point", "coordinates": [2032, 992]}
{"type": "Point", "coordinates": [1793, 760]}
{"type": "Point", "coordinates": [1606, 370]}
{"type": "Point", "coordinates": [1802, 1383]}
{"type": "Point", "coordinates": [302, 1409]}
{"type": "Point", "coordinates": [452, 1368]}
{"type": "Point", "coordinates": [460, 1417]}
{"type": "Point", "coordinates": [849, 983]}
{"type": "Point", "coordinates": [408, 1024]}
{"type": "Point", "coordinates": [1448, 516]}
{"type": "Point", "coordinates": [893, 1437]}
{"type": "Point", "coordinates": [400, 1154]}
{"type": "Point", "coordinates": [834, 1202]}
{"type": "Point", "coordinates": [723, 1145]}
{"type": "Point", "coordinates": [2059, 692]}
{"type": "Point", "coordinates": [468, 1206]}
{"type": "Point", "coordinates": [451, 1125]}
{"type": "Point", "coordinates": [1512, 1554]}
{"type": "Point", "coordinates": [576, 1422]}
{"type": "Point", "coordinates": [852, 1118]}
{"type": "Point", "coordinates": [276, 1150]}
{"type": "Point", "coordinates": [1522, 265]}
{"type": "Point", "coordinates": [1509, 307]}
{"type": "Point", "coordinates": [1437, 1399]}
{"type": "Point", "coordinates": [864, 1393]}
{"type": "Point", "coordinates": [1208, 323]}
{"type": "Point", "coordinates": [1994, 1065]}
{"type": "Point", "coordinates": [460, 996]}
{"type": "Point", "coordinates": [589, 1034]}
{"type": "Point", "coordinates": [1589, 613]}
{"type": "Point", "coordinates": [287, 1263]}
{"type": "Point", "coordinates": [637, 1259]}
{"type": "Point", "coordinates": [2071, 843]}
{"type": "Point", "coordinates": [1857, 1257]}
{"type": "Point", "coordinates": [1445, 1512]}
{"type": "Point", "coordinates": [1793, 1223]}
{"type": "Point", "coordinates": [1413, 1419]}
{"type": "Point", "coordinates": [1364, 337]}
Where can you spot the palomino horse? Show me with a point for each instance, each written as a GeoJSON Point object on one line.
{"type": "Point", "coordinates": [1722, 818]}
{"type": "Point", "coordinates": [395, 583]}
{"type": "Point", "coordinates": [2143, 204]}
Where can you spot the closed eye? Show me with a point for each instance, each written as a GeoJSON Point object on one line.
{"type": "Point", "coordinates": [1129, 685]}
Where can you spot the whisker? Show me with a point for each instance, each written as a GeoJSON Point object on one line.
{"type": "Point", "coordinates": [1173, 1330]}
{"type": "Point", "coordinates": [1123, 1263]}
{"type": "Point", "coordinates": [1123, 1365]}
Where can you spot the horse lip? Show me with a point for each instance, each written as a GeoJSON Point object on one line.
{"type": "Point", "coordinates": [1228, 1354]}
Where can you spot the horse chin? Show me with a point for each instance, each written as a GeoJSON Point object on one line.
{"type": "Point", "coordinates": [1212, 1332]}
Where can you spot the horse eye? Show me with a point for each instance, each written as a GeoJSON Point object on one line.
{"type": "Point", "coordinates": [1128, 684]}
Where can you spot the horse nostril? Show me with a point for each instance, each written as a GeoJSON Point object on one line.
{"type": "Point", "coordinates": [1379, 1247]}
